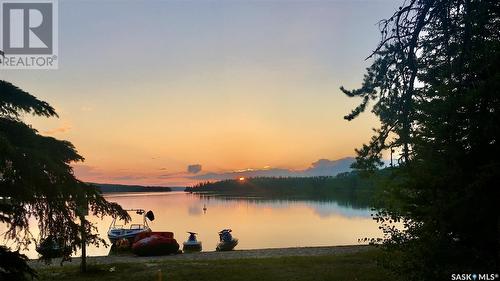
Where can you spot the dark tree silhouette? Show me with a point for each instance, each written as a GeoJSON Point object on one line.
{"type": "Point", "coordinates": [435, 84]}
{"type": "Point", "coordinates": [37, 181]}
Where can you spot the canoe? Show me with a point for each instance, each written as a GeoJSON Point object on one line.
{"type": "Point", "coordinates": [155, 244]}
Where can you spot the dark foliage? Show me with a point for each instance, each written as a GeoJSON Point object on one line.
{"type": "Point", "coordinates": [14, 265]}
{"type": "Point", "coordinates": [37, 181]}
{"type": "Point", "coordinates": [435, 84]}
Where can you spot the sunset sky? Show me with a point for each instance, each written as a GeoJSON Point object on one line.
{"type": "Point", "coordinates": [146, 88]}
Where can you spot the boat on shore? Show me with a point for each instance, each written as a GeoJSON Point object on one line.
{"type": "Point", "coordinates": [155, 244]}
{"type": "Point", "coordinates": [120, 232]}
{"type": "Point", "coordinates": [226, 241]}
{"type": "Point", "coordinates": [192, 244]}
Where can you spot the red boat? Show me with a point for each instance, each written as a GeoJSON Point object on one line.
{"type": "Point", "coordinates": [155, 244]}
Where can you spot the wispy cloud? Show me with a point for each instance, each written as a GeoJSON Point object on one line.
{"type": "Point", "coordinates": [172, 175]}
{"type": "Point", "coordinates": [322, 167]}
{"type": "Point", "coordinates": [86, 172]}
{"type": "Point", "coordinates": [61, 129]}
{"type": "Point", "coordinates": [128, 177]}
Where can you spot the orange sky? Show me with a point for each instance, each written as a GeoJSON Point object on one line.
{"type": "Point", "coordinates": [151, 88]}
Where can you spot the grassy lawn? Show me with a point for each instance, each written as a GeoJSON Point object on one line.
{"type": "Point", "coordinates": [359, 266]}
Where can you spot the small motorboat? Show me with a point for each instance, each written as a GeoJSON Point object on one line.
{"type": "Point", "coordinates": [227, 241]}
{"type": "Point", "coordinates": [155, 244]}
{"type": "Point", "coordinates": [191, 245]}
{"type": "Point", "coordinates": [119, 232]}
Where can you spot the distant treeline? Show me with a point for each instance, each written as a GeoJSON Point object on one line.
{"type": "Point", "coordinates": [106, 188]}
{"type": "Point", "coordinates": [346, 188]}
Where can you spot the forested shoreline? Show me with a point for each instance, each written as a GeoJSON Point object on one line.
{"type": "Point", "coordinates": [346, 188]}
{"type": "Point", "coordinates": [112, 188]}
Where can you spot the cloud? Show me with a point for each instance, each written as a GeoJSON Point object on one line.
{"type": "Point", "coordinates": [193, 174]}
{"type": "Point", "coordinates": [128, 178]}
{"type": "Point", "coordinates": [85, 171]}
{"type": "Point", "coordinates": [245, 173]}
{"type": "Point", "coordinates": [325, 167]}
{"type": "Point", "coordinates": [62, 129]}
{"type": "Point", "coordinates": [194, 168]}
{"type": "Point", "coordinates": [171, 175]}
{"type": "Point", "coordinates": [322, 167]}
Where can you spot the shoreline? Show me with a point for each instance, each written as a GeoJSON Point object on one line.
{"type": "Point", "coordinates": [213, 255]}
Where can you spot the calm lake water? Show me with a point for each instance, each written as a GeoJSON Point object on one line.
{"type": "Point", "coordinates": [256, 223]}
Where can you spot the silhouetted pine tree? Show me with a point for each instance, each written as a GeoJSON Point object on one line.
{"type": "Point", "coordinates": [37, 181]}
{"type": "Point", "coordinates": [434, 84]}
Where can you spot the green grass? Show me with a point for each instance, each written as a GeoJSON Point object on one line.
{"type": "Point", "coordinates": [359, 266]}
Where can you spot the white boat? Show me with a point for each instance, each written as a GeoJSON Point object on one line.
{"type": "Point", "coordinates": [118, 231]}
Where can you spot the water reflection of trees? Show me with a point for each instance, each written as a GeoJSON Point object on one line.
{"type": "Point", "coordinates": [347, 190]}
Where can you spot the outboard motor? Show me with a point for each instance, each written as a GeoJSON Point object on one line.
{"type": "Point", "coordinates": [150, 215]}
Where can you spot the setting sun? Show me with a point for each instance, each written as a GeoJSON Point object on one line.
{"type": "Point", "coordinates": [241, 178]}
